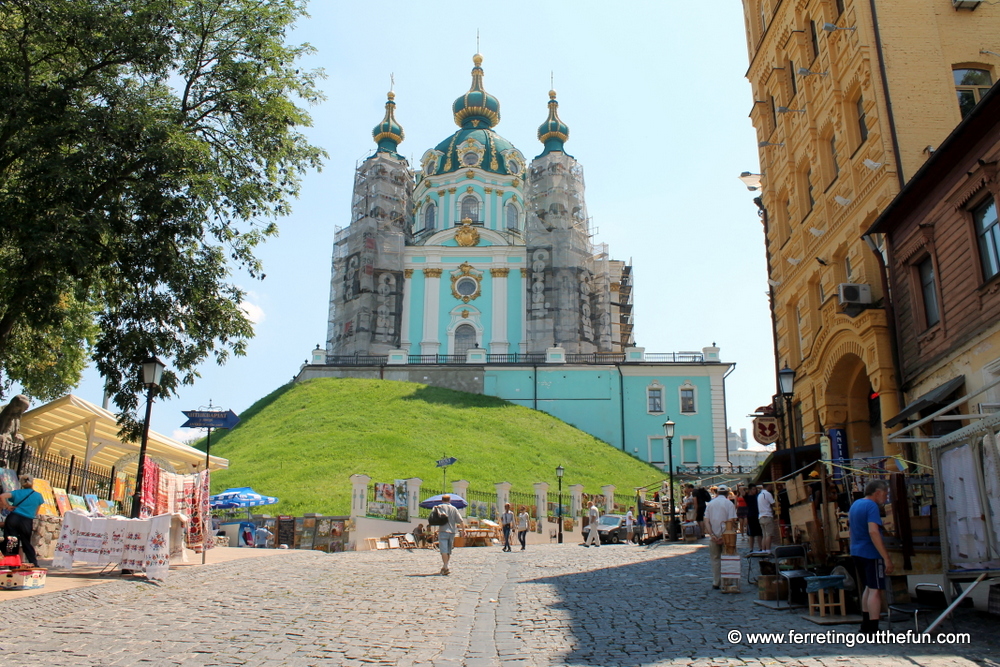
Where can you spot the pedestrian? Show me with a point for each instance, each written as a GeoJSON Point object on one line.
{"type": "Point", "coordinates": [718, 512]}
{"type": "Point", "coordinates": [594, 515]}
{"type": "Point", "coordinates": [640, 527]}
{"type": "Point", "coordinates": [418, 535]}
{"type": "Point", "coordinates": [523, 521]}
{"type": "Point", "coordinates": [447, 531]}
{"type": "Point", "coordinates": [20, 522]}
{"type": "Point", "coordinates": [765, 514]}
{"type": "Point", "coordinates": [507, 523]}
{"type": "Point", "coordinates": [871, 560]}
{"type": "Point", "coordinates": [630, 525]}
{"type": "Point", "coordinates": [741, 509]}
{"type": "Point", "coordinates": [704, 498]}
{"type": "Point", "coordinates": [754, 532]}
{"type": "Point", "coordinates": [689, 504]}
{"type": "Point", "coordinates": [261, 537]}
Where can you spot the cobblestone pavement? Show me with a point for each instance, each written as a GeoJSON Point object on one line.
{"type": "Point", "coordinates": [551, 605]}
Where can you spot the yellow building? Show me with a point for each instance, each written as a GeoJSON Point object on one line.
{"type": "Point", "coordinates": [849, 99]}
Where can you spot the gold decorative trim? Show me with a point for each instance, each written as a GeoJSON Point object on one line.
{"type": "Point", "coordinates": [432, 273]}
{"type": "Point", "coordinates": [524, 273]}
{"type": "Point", "coordinates": [470, 173]}
{"type": "Point", "coordinates": [407, 273]}
{"type": "Point", "coordinates": [440, 193]}
{"type": "Point", "coordinates": [488, 190]}
{"type": "Point", "coordinates": [513, 197]}
{"type": "Point", "coordinates": [469, 189]}
{"type": "Point", "coordinates": [515, 183]}
{"type": "Point", "coordinates": [451, 190]}
{"type": "Point", "coordinates": [465, 314]}
{"type": "Point", "coordinates": [499, 192]}
{"type": "Point", "coordinates": [466, 269]}
{"type": "Point", "coordinates": [467, 235]}
{"type": "Point", "coordinates": [499, 273]}
{"type": "Point", "coordinates": [428, 184]}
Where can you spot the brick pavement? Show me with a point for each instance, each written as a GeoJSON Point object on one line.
{"type": "Point", "coordinates": [551, 605]}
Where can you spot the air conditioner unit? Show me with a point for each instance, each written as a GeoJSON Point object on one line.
{"type": "Point", "coordinates": [854, 294]}
{"type": "Point", "coordinates": [965, 4]}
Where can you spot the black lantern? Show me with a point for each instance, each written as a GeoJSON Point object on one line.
{"type": "Point", "coordinates": [152, 373]}
{"type": "Point", "coordinates": [559, 474]}
{"type": "Point", "coordinates": [674, 527]}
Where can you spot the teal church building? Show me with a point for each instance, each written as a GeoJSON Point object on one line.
{"type": "Point", "coordinates": [476, 270]}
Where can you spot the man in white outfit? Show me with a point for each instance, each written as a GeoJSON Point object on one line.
{"type": "Point", "coordinates": [593, 536]}
{"type": "Point", "coordinates": [717, 513]}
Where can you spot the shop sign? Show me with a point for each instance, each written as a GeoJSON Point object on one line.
{"type": "Point", "coordinates": [838, 450]}
{"type": "Point", "coordinates": [765, 430]}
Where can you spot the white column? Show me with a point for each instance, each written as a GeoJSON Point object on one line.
{"type": "Point", "coordinates": [503, 495]}
{"type": "Point", "coordinates": [541, 503]}
{"type": "Point", "coordinates": [413, 496]}
{"type": "Point", "coordinates": [576, 500]}
{"type": "Point", "coordinates": [524, 310]}
{"type": "Point", "coordinates": [431, 344]}
{"type": "Point", "coordinates": [359, 495]}
{"type": "Point", "coordinates": [459, 487]}
{"type": "Point", "coordinates": [498, 283]}
{"type": "Point", "coordinates": [609, 498]}
{"type": "Point", "coordinates": [404, 335]}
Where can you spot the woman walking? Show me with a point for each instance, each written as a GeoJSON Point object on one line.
{"type": "Point", "coordinates": [522, 526]}
{"type": "Point", "coordinates": [507, 522]}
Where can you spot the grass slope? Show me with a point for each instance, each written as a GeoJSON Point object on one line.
{"type": "Point", "coordinates": [303, 441]}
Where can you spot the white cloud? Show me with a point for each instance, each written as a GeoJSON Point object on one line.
{"type": "Point", "coordinates": [186, 435]}
{"type": "Point", "coordinates": [253, 311]}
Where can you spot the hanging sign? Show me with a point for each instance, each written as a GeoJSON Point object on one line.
{"type": "Point", "coordinates": [838, 450]}
{"type": "Point", "coordinates": [210, 419]}
{"type": "Point", "coordinates": [765, 430]}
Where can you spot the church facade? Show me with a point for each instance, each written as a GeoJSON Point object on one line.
{"type": "Point", "coordinates": [475, 270]}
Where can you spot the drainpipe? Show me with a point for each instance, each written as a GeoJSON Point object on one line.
{"type": "Point", "coordinates": [621, 403]}
{"type": "Point", "coordinates": [890, 316]}
{"type": "Point", "coordinates": [759, 201]}
{"type": "Point", "coordinates": [888, 97]}
{"type": "Point", "coordinates": [534, 394]}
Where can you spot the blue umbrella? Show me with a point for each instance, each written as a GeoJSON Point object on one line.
{"type": "Point", "coordinates": [239, 497]}
{"type": "Point", "coordinates": [456, 500]}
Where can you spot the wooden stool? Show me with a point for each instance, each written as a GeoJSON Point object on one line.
{"type": "Point", "coordinates": [828, 600]}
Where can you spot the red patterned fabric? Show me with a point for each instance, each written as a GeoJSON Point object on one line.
{"type": "Point", "coordinates": [150, 489]}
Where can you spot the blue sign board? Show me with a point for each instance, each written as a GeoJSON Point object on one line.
{"type": "Point", "coordinates": [444, 463]}
{"type": "Point", "coordinates": [210, 419]}
{"type": "Point", "coordinates": [838, 450]}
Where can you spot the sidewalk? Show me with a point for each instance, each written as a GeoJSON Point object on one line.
{"type": "Point", "coordinates": [84, 575]}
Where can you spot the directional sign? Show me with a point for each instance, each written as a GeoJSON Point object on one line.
{"type": "Point", "coordinates": [210, 419]}
{"type": "Point", "coordinates": [444, 463]}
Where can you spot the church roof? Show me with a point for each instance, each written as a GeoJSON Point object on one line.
{"type": "Point", "coordinates": [553, 132]}
{"type": "Point", "coordinates": [388, 134]}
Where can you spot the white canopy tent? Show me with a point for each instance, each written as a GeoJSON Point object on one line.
{"type": "Point", "coordinates": [71, 426]}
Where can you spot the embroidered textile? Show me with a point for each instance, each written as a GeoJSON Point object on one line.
{"type": "Point", "coordinates": [142, 545]}
{"type": "Point", "coordinates": [150, 489]}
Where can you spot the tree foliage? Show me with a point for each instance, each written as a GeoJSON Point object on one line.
{"type": "Point", "coordinates": [146, 147]}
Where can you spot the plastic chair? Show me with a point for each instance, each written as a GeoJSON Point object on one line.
{"type": "Point", "coordinates": [930, 598]}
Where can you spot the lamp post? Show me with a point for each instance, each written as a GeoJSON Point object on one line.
{"type": "Point", "coordinates": [559, 475]}
{"type": "Point", "coordinates": [152, 371]}
{"type": "Point", "coordinates": [786, 382]}
{"type": "Point", "coordinates": [674, 527]}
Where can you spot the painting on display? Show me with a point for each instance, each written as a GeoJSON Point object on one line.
{"type": "Point", "coordinates": [62, 500]}
{"type": "Point", "coordinates": [385, 493]}
{"type": "Point", "coordinates": [401, 494]}
{"type": "Point", "coordinates": [78, 503]}
{"type": "Point", "coordinates": [118, 492]}
{"type": "Point", "coordinates": [382, 510]}
{"type": "Point", "coordinates": [92, 502]}
{"type": "Point", "coordinates": [49, 507]}
{"type": "Point", "coordinates": [8, 480]}
{"type": "Point", "coordinates": [107, 507]}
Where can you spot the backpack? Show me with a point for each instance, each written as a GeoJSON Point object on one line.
{"type": "Point", "coordinates": [438, 517]}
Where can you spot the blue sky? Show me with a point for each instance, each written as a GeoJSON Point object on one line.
{"type": "Point", "coordinates": [657, 103]}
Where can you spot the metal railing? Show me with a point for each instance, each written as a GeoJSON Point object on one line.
{"type": "Point", "coordinates": [482, 504]}
{"type": "Point", "coordinates": [70, 474]}
{"type": "Point", "coordinates": [517, 358]}
{"type": "Point", "coordinates": [519, 499]}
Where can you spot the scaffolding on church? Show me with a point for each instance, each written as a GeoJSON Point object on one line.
{"type": "Point", "coordinates": [569, 277]}
{"type": "Point", "coordinates": [366, 290]}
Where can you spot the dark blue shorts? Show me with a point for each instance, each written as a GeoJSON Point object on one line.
{"type": "Point", "coordinates": [871, 571]}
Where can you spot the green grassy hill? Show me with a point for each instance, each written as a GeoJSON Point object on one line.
{"type": "Point", "coordinates": [303, 441]}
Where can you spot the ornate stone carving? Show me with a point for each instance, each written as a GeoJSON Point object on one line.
{"type": "Point", "coordinates": [466, 273]}
{"type": "Point", "coordinates": [499, 273]}
{"type": "Point", "coordinates": [524, 273]}
{"type": "Point", "coordinates": [432, 273]}
{"type": "Point", "coordinates": [407, 273]}
{"type": "Point", "coordinates": [467, 235]}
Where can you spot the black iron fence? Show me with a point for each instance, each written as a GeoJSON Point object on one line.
{"type": "Point", "coordinates": [519, 499]}
{"type": "Point", "coordinates": [64, 473]}
{"type": "Point", "coordinates": [482, 504]}
{"type": "Point", "coordinates": [515, 358]}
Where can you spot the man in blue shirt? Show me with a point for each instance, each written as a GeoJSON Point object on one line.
{"type": "Point", "coordinates": [871, 560]}
{"type": "Point", "coordinates": [21, 522]}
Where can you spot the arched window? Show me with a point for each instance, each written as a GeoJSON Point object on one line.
{"type": "Point", "coordinates": [470, 208]}
{"type": "Point", "coordinates": [511, 216]}
{"type": "Point", "coordinates": [465, 339]}
{"type": "Point", "coordinates": [430, 216]}
{"type": "Point", "coordinates": [970, 86]}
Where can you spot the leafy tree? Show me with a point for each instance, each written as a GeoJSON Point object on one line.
{"type": "Point", "coordinates": [146, 147]}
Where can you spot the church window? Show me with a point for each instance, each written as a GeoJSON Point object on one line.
{"type": "Point", "coordinates": [470, 159]}
{"type": "Point", "coordinates": [687, 395]}
{"type": "Point", "coordinates": [470, 208]}
{"type": "Point", "coordinates": [465, 339]}
{"type": "Point", "coordinates": [511, 216]}
{"type": "Point", "coordinates": [430, 216]}
{"type": "Point", "coordinates": [466, 286]}
{"type": "Point", "coordinates": [654, 399]}
{"type": "Point", "coordinates": [970, 86]}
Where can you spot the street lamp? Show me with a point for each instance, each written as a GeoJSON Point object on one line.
{"type": "Point", "coordinates": [674, 527]}
{"type": "Point", "coordinates": [559, 474]}
{"type": "Point", "coordinates": [786, 383]}
{"type": "Point", "coordinates": [152, 371]}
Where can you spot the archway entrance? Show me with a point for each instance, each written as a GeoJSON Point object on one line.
{"type": "Point", "coordinates": [852, 405]}
{"type": "Point", "coordinates": [465, 339]}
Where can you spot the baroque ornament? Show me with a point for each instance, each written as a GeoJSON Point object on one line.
{"type": "Point", "coordinates": [467, 235]}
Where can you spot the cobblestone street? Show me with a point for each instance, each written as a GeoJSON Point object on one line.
{"type": "Point", "coordinates": [550, 605]}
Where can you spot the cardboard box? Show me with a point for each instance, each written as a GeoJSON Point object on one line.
{"type": "Point", "coordinates": [23, 579]}
{"type": "Point", "coordinates": [797, 490]}
{"type": "Point", "coordinates": [800, 515]}
{"type": "Point", "coordinates": [772, 587]}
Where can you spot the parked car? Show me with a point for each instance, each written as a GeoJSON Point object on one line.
{"type": "Point", "coordinates": [610, 529]}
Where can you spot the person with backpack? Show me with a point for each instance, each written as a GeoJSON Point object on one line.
{"type": "Point", "coordinates": [507, 523]}
{"type": "Point", "coordinates": [447, 518]}
{"type": "Point", "coordinates": [21, 521]}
